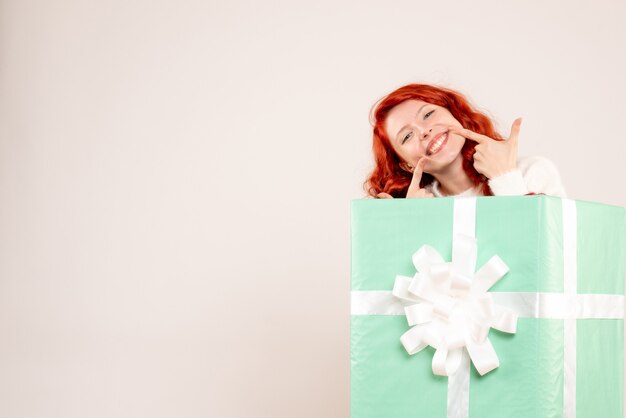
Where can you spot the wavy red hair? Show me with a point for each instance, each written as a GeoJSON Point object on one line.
{"type": "Point", "coordinates": [388, 176]}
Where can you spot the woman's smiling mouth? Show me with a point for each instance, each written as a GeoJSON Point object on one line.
{"type": "Point", "coordinates": [437, 143]}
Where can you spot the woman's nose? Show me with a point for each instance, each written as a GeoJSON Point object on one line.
{"type": "Point", "coordinates": [426, 133]}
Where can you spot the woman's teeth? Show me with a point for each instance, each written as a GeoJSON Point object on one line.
{"type": "Point", "coordinates": [437, 144]}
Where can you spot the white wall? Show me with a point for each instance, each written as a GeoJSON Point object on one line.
{"type": "Point", "coordinates": [176, 177]}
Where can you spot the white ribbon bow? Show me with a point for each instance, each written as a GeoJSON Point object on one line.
{"type": "Point", "coordinates": [451, 309]}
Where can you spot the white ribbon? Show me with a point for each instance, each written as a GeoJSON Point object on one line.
{"type": "Point", "coordinates": [570, 284]}
{"type": "Point", "coordinates": [449, 308]}
{"type": "Point", "coordinates": [526, 304]}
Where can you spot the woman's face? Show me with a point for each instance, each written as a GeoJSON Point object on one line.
{"type": "Point", "coordinates": [417, 129]}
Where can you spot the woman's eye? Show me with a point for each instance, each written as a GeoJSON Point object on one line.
{"type": "Point", "coordinates": [428, 114]}
{"type": "Point", "coordinates": [407, 137]}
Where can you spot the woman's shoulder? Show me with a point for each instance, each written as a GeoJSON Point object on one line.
{"type": "Point", "coordinates": [541, 175]}
{"type": "Point", "coordinates": [535, 162]}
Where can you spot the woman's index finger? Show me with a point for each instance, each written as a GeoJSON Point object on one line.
{"type": "Point", "coordinates": [417, 175]}
{"type": "Point", "coordinates": [515, 128]}
{"type": "Point", "coordinates": [471, 135]}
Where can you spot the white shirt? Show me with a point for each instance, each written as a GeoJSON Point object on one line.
{"type": "Point", "coordinates": [533, 175]}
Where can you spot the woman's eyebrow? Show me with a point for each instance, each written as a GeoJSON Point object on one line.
{"type": "Point", "coordinates": [420, 109]}
{"type": "Point", "coordinates": [406, 126]}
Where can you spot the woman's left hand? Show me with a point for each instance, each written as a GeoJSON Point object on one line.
{"type": "Point", "coordinates": [493, 158]}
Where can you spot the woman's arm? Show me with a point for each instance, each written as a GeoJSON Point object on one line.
{"type": "Point", "coordinates": [497, 161]}
{"type": "Point", "coordinates": [533, 175]}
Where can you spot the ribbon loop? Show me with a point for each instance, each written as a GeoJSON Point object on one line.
{"type": "Point", "coordinates": [440, 274]}
{"type": "Point", "coordinates": [419, 313]}
{"type": "Point", "coordinates": [489, 274]}
{"type": "Point", "coordinates": [424, 289]}
{"type": "Point", "coordinates": [445, 362]}
{"type": "Point", "coordinates": [425, 257]}
{"type": "Point", "coordinates": [483, 356]}
{"type": "Point", "coordinates": [460, 284]}
{"type": "Point", "coordinates": [412, 340]}
{"type": "Point", "coordinates": [401, 289]}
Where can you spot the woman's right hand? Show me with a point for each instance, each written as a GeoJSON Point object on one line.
{"type": "Point", "coordinates": [415, 191]}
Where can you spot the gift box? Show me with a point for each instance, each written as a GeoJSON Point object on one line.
{"type": "Point", "coordinates": [562, 277]}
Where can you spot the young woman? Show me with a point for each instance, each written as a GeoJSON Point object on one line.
{"type": "Point", "coordinates": [429, 142]}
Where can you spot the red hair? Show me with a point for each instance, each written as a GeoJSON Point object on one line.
{"type": "Point", "coordinates": [388, 176]}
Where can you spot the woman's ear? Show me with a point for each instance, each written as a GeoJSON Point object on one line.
{"type": "Point", "coordinates": [406, 167]}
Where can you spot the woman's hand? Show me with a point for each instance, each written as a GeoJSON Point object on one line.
{"type": "Point", "coordinates": [415, 191]}
{"type": "Point", "coordinates": [493, 158]}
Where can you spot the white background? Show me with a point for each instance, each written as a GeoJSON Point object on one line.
{"type": "Point", "coordinates": [176, 177]}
